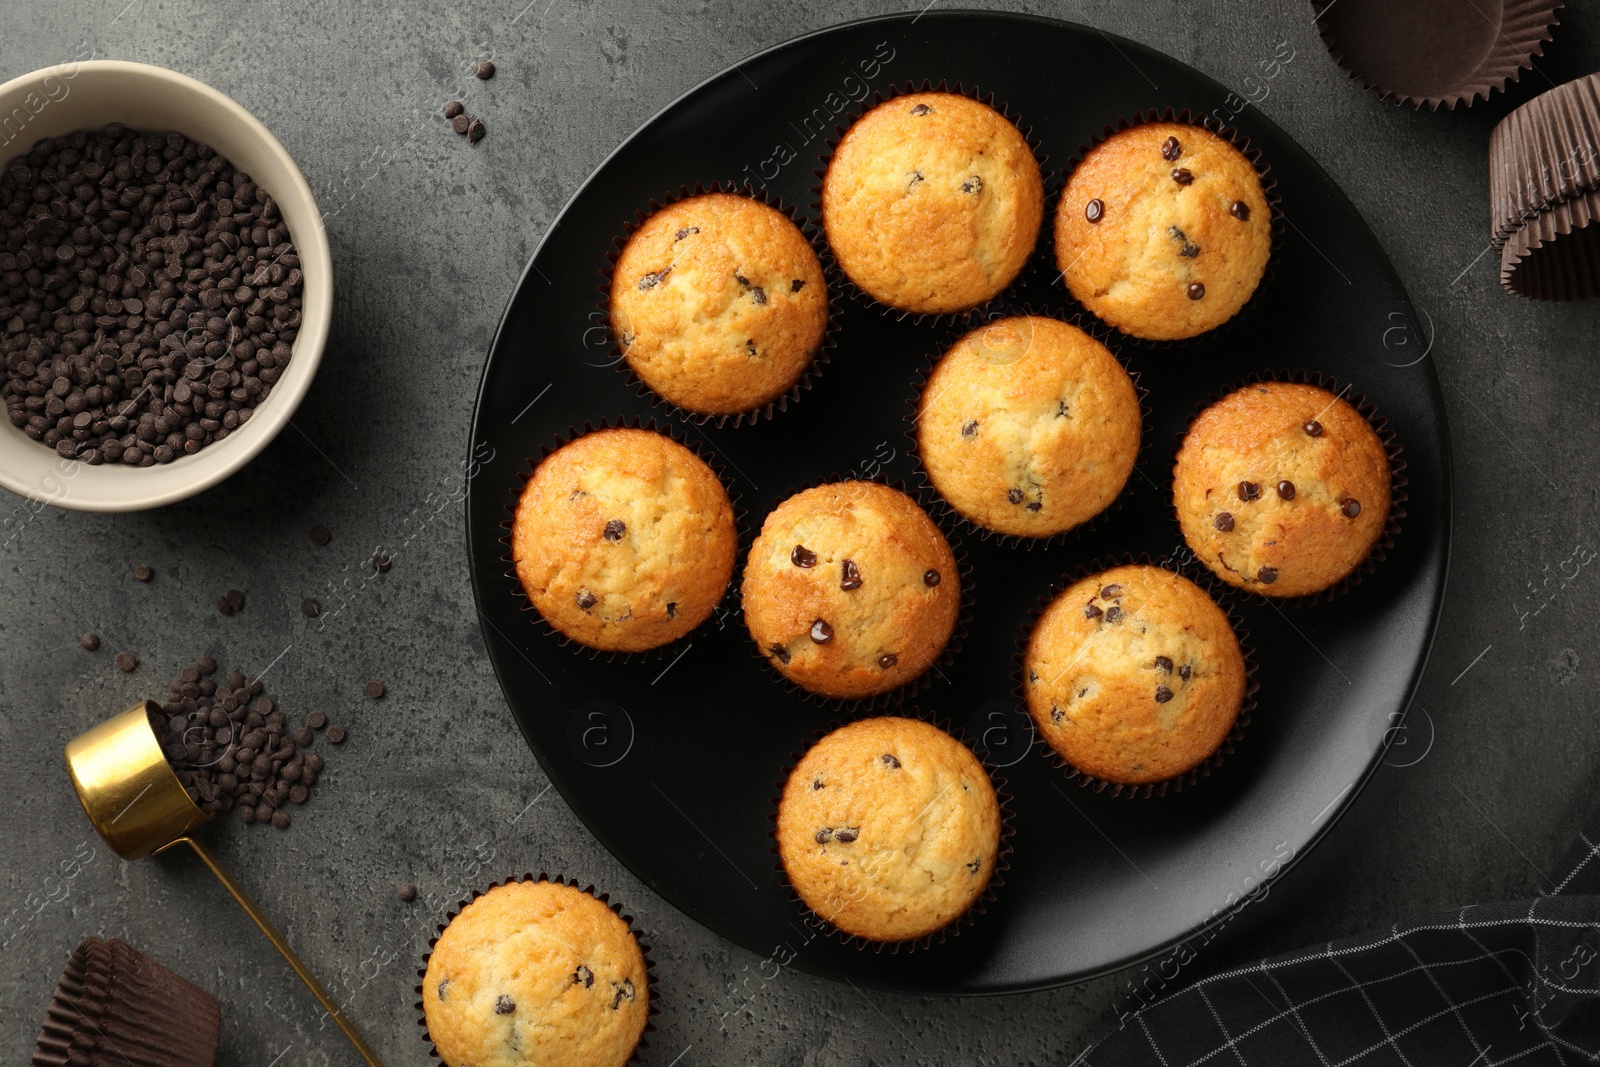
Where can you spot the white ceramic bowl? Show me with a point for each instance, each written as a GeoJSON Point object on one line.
{"type": "Point", "coordinates": [89, 96]}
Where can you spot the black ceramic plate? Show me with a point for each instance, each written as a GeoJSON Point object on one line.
{"type": "Point", "coordinates": [672, 762]}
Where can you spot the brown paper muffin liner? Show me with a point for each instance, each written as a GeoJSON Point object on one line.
{"type": "Point", "coordinates": [1206, 121]}
{"type": "Point", "coordinates": [861, 705]}
{"type": "Point", "coordinates": [741, 532]}
{"type": "Point", "coordinates": [1384, 56]}
{"type": "Point", "coordinates": [952, 520]}
{"type": "Point", "coordinates": [954, 927]}
{"type": "Point", "coordinates": [1544, 153]}
{"type": "Point", "coordinates": [1556, 255]}
{"type": "Point", "coordinates": [830, 275]}
{"type": "Point", "coordinates": [114, 1007]}
{"type": "Point", "coordinates": [1398, 495]}
{"type": "Point", "coordinates": [1150, 789]}
{"type": "Point", "coordinates": [604, 898]}
{"type": "Point", "coordinates": [849, 117]}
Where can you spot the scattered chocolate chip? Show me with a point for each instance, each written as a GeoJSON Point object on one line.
{"type": "Point", "coordinates": [224, 605]}
{"type": "Point", "coordinates": [303, 737]}
{"type": "Point", "coordinates": [1091, 611]}
{"type": "Point", "coordinates": [316, 720]}
{"type": "Point", "coordinates": [1056, 714]}
{"type": "Point", "coordinates": [280, 820]}
{"type": "Point", "coordinates": [615, 529]}
{"type": "Point", "coordinates": [975, 865]}
{"type": "Point", "coordinates": [887, 660]}
{"type": "Point", "coordinates": [850, 576]}
{"type": "Point", "coordinates": [1196, 290]}
{"type": "Point", "coordinates": [1182, 176]}
{"type": "Point", "coordinates": [583, 976]}
{"type": "Point", "coordinates": [1164, 663]}
{"type": "Point", "coordinates": [142, 572]}
{"type": "Point", "coordinates": [1350, 506]}
{"type": "Point", "coordinates": [891, 762]}
{"type": "Point", "coordinates": [624, 991]}
{"type": "Point", "coordinates": [759, 295]}
{"type": "Point", "coordinates": [90, 642]}
{"type": "Point", "coordinates": [406, 891]}
{"type": "Point", "coordinates": [310, 608]}
{"type": "Point", "coordinates": [750, 348]}
{"type": "Point", "coordinates": [1113, 613]}
{"type": "Point", "coordinates": [824, 835]}
{"type": "Point", "coordinates": [461, 124]}
{"type": "Point", "coordinates": [686, 231]}
{"type": "Point", "coordinates": [797, 285]}
{"type": "Point", "coordinates": [1035, 505]}
{"type": "Point", "coordinates": [1286, 490]}
{"type": "Point", "coordinates": [1313, 428]}
{"type": "Point", "coordinates": [931, 578]}
{"type": "Point", "coordinates": [504, 1005]}
{"type": "Point", "coordinates": [741, 279]}
{"type": "Point", "coordinates": [821, 632]}
{"type": "Point", "coordinates": [335, 735]}
{"type": "Point", "coordinates": [1171, 149]}
{"type": "Point", "coordinates": [299, 794]}
{"type": "Point", "coordinates": [320, 535]}
{"type": "Point", "coordinates": [653, 279]}
{"type": "Point", "coordinates": [374, 689]}
{"type": "Point", "coordinates": [586, 599]}
{"type": "Point", "coordinates": [921, 109]}
{"type": "Point", "coordinates": [973, 184]}
{"type": "Point", "coordinates": [1061, 409]}
{"type": "Point", "coordinates": [1184, 671]}
{"type": "Point", "coordinates": [846, 834]}
{"type": "Point", "coordinates": [672, 609]}
{"type": "Point", "coordinates": [1033, 676]}
{"type": "Point", "coordinates": [1094, 210]}
{"type": "Point", "coordinates": [1014, 495]}
{"type": "Point", "coordinates": [126, 661]}
{"type": "Point", "coordinates": [1110, 591]}
{"type": "Point", "coordinates": [453, 108]}
{"type": "Point", "coordinates": [780, 652]}
{"type": "Point", "coordinates": [381, 563]}
{"type": "Point", "coordinates": [444, 983]}
{"type": "Point", "coordinates": [475, 131]}
{"type": "Point", "coordinates": [801, 556]}
{"type": "Point", "coordinates": [1163, 694]}
{"type": "Point", "coordinates": [1224, 522]}
{"type": "Point", "coordinates": [483, 69]}
{"type": "Point", "coordinates": [206, 666]}
{"type": "Point", "coordinates": [1248, 491]}
{"type": "Point", "coordinates": [236, 599]}
{"type": "Point", "coordinates": [1189, 250]}
{"type": "Point", "coordinates": [816, 783]}
{"type": "Point", "coordinates": [1267, 575]}
{"type": "Point", "coordinates": [970, 428]}
{"type": "Point", "coordinates": [1239, 210]}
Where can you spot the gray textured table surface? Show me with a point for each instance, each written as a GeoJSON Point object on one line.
{"type": "Point", "coordinates": [426, 251]}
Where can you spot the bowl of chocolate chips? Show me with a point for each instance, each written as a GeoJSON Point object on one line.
{"type": "Point", "coordinates": [165, 286]}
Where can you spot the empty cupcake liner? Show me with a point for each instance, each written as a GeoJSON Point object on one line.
{"type": "Point", "coordinates": [849, 117]}
{"type": "Point", "coordinates": [1206, 121]}
{"type": "Point", "coordinates": [741, 531]}
{"type": "Point", "coordinates": [891, 697]}
{"type": "Point", "coordinates": [604, 898]}
{"type": "Point", "coordinates": [831, 278]}
{"type": "Point", "coordinates": [1422, 54]}
{"type": "Point", "coordinates": [1397, 490]}
{"type": "Point", "coordinates": [947, 515]}
{"type": "Point", "coordinates": [1207, 766]}
{"type": "Point", "coordinates": [1544, 153]}
{"type": "Point", "coordinates": [954, 927]}
{"type": "Point", "coordinates": [114, 1007]}
{"type": "Point", "coordinates": [1556, 255]}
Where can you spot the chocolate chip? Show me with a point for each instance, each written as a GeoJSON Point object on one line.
{"type": "Point", "coordinates": [780, 652]}
{"type": "Point", "coordinates": [142, 572]}
{"type": "Point", "coordinates": [475, 131]}
{"type": "Point", "coordinates": [1350, 506]}
{"type": "Point", "coordinates": [816, 783]}
{"type": "Point", "coordinates": [1094, 210]}
{"type": "Point", "coordinates": [126, 661]}
{"type": "Point", "coordinates": [615, 529]}
{"type": "Point", "coordinates": [1056, 714]}
{"type": "Point", "coordinates": [1184, 671]}
{"type": "Point", "coordinates": [759, 295]}
{"type": "Point", "coordinates": [381, 563]}
{"type": "Point", "coordinates": [821, 632]}
{"type": "Point", "coordinates": [921, 109]}
{"type": "Point", "coordinates": [335, 735]}
{"type": "Point", "coordinates": [406, 891]}
{"type": "Point", "coordinates": [444, 983]}
{"type": "Point", "coordinates": [1196, 290]}
{"type": "Point", "coordinates": [1164, 663]}
{"type": "Point", "coordinates": [1189, 250]}
{"type": "Point", "coordinates": [970, 429]}
{"type": "Point", "coordinates": [1014, 495]}
{"type": "Point", "coordinates": [741, 279]}
{"type": "Point", "coordinates": [374, 689]}
{"type": "Point", "coordinates": [453, 108]}
{"type": "Point", "coordinates": [1110, 591]}
{"type": "Point", "coordinates": [320, 535]}
{"type": "Point", "coordinates": [1163, 694]}
{"type": "Point", "coordinates": [586, 599]}
{"type": "Point", "coordinates": [1267, 575]}
{"type": "Point", "coordinates": [824, 835]}
{"type": "Point", "coordinates": [846, 834]}
{"type": "Point", "coordinates": [1035, 505]}
{"type": "Point", "coordinates": [1091, 611]}
{"type": "Point", "coordinates": [1171, 149]}
{"type": "Point", "coordinates": [1313, 428]}
{"type": "Point", "coordinates": [504, 1005]}
{"type": "Point", "coordinates": [797, 285]}
{"type": "Point", "coordinates": [310, 608]}
{"type": "Point", "coordinates": [303, 737]}
{"type": "Point", "coordinates": [750, 348]}
{"type": "Point", "coordinates": [224, 605]}
{"type": "Point", "coordinates": [316, 720]}
{"type": "Point", "coordinates": [1061, 409]}
{"type": "Point", "coordinates": [931, 578]}
{"type": "Point", "coordinates": [90, 642]}
{"type": "Point", "coordinates": [686, 231]}
{"type": "Point", "coordinates": [299, 794]}
{"type": "Point", "coordinates": [672, 609]}
{"type": "Point", "coordinates": [1182, 176]}
{"type": "Point", "coordinates": [891, 762]}
{"type": "Point", "coordinates": [583, 976]}
{"type": "Point", "coordinates": [280, 819]}
{"type": "Point", "coordinates": [624, 991]}
{"type": "Point", "coordinates": [484, 71]}
{"type": "Point", "coordinates": [461, 124]}
{"type": "Point", "coordinates": [801, 556]}
{"type": "Point", "coordinates": [1224, 522]}
{"type": "Point", "coordinates": [850, 576]}
{"type": "Point", "coordinates": [1248, 491]}
{"type": "Point", "coordinates": [975, 865]}
{"type": "Point", "coordinates": [236, 598]}
{"type": "Point", "coordinates": [1113, 613]}
{"type": "Point", "coordinates": [654, 278]}
{"type": "Point", "coordinates": [1239, 210]}
{"type": "Point", "coordinates": [1286, 490]}
{"type": "Point", "coordinates": [887, 660]}
{"type": "Point", "coordinates": [973, 184]}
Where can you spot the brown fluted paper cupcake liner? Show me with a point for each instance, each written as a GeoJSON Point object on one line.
{"type": "Point", "coordinates": [1435, 53]}
{"type": "Point", "coordinates": [1207, 766]}
{"type": "Point", "coordinates": [1398, 494]}
{"type": "Point", "coordinates": [724, 606]}
{"type": "Point", "coordinates": [1556, 254]}
{"type": "Point", "coordinates": [1544, 153]}
{"type": "Point", "coordinates": [114, 1007]}
{"type": "Point", "coordinates": [954, 927]}
{"type": "Point", "coordinates": [831, 278]}
{"type": "Point", "coordinates": [604, 898]}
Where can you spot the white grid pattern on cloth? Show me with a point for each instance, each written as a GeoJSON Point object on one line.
{"type": "Point", "coordinates": [1294, 1010]}
{"type": "Point", "coordinates": [1377, 1016]}
{"type": "Point", "coordinates": [1212, 1008]}
{"type": "Point", "coordinates": [1400, 939]}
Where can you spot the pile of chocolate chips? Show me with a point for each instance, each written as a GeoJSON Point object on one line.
{"type": "Point", "coordinates": [149, 295]}
{"type": "Point", "coordinates": [231, 746]}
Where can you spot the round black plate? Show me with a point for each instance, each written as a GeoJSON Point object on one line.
{"type": "Point", "coordinates": [673, 762]}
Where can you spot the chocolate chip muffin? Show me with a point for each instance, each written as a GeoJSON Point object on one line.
{"type": "Point", "coordinates": [889, 829]}
{"type": "Point", "coordinates": [624, 540]}
{"type": "Point", "coordinates": [932, 202]}
{"type": "Point", "coordinates": [719, 304]}
{"type": "Point", "coordinates": [851, 590]}
{"type": "Point", "coordinates": [536, 973]}
{"type": "Point", "coordinates": [1028, 426]}
{"type": "Point", "coordinates": [1134, 675]}
{"type": "Point", "coordinates": [1164, 231]}
{"type": "Point", "coordinates": [1282, 488]}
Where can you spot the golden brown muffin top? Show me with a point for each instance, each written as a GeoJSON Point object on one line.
{"type": "Point", "coordinates": [538, 974]}
{"type": "Point", "coordinates": [932, 202]}
{"type": "Point", "coordinates": [1282, 488]}
{"type": "Point", "coordinates": [889, 829]}
{"type": "Point", "coordinates": [1134, 675]}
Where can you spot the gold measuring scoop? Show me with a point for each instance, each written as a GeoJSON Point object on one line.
{"type": "Point", "coordinates": [136, 802]}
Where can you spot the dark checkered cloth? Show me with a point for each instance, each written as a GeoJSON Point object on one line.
{"type": "Point", "coordinates": [1515, 982]}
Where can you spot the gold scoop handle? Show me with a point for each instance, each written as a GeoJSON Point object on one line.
{"type": "Point", "coordinates": [328, 1003]}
